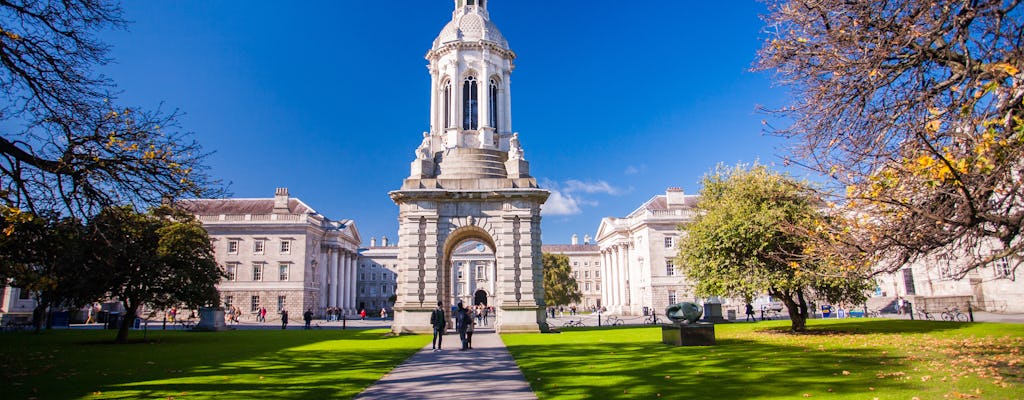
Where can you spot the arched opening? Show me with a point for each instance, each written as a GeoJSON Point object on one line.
{"type": "Point", "coordinates": [492, 102]}
{"type": "Point", "coordinates": [447, 105]}
{"type": "Point", "coordinates": [470, 267]}
{"type": "Point", "coordinates": [480, 298]}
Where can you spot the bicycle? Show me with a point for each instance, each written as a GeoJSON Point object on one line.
{"type": "Point", "coordinates": [925, 315]}
{"type": "Point", "coordinates": [954, 314]}
{"type": "Point", "coordinates": [573, 323]}
{"type": "Point", "coordinates": [613, 321]}
{"type": "Point", "coordinates": [651, 319]}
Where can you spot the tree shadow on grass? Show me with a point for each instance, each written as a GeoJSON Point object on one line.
{"type": "Point", "coordinates": [732, 369]}
{"type": "Point", "coordinates": [239, 364]}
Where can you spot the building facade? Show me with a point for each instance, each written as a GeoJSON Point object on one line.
{"type": "Point", "coordinates": [281, 254]}
{"type": "Point", "coordinates": [637, 252]}
{"type": "Point", "coordinates": [378, 277]}
{"type": "Point", "coordinates": [585, 262]}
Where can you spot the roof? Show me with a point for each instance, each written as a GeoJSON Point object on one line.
{"type": "Point", "coordinates": [241, 206]}
{"type": "Point", "coordinates": [570, 248]}
{"type": "Point", "coordinates": [660, 203]}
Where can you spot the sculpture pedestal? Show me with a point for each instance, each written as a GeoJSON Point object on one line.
{"type": "Point", "coordinates": [713, 313]}
{"type": "Point", "coordinates": [212, 320]}
{"type": "Point", "coordinates": [699, 334]}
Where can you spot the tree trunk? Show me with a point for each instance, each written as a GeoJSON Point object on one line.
{"type": "Point", "coordinates": [38, 316]}
{"type": "Point", "coordinates": [797, 309]}
{"type": "Point", "coordinates": [126, 322]}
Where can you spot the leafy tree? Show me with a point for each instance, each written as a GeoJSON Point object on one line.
{"type": "Point", "coordinates": [160, 259]}
{"type": "Point", "coordinates": [43, 256]}
{"type": "Point", "coordinates": [916, 110]}
{"type": "Point", "coordinates": [742, 243]}
{"type": "Point", "coordinates": [559, 285]}
{"type": "Point", "coordinates": [66, 146]}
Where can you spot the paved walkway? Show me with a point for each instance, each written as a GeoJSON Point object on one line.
{"type": "Point", "coordinates": [487, 371]}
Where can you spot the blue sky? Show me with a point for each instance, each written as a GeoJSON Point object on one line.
{"type": "Point", "coordinates": [614, 101]}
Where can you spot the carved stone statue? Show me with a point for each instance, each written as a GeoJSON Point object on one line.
{"type": "Point", "coordinates": [423, 152]}
{"type": "Point", "coordinates": [685, 312]}
{"type": "Point", "coordinates": [515, 150]}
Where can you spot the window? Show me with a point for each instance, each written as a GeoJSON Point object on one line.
{"type": "Point", "coordinates": [280, 303]}
{"type": "Point", "coordinates": [286, 246]}
{"type": "Point", "coordinates": [283, 272]}
{"type": "Point", "coordinates": [373, 276]}
{"type": "Point", "coordinates": [362, 290]}
{"type": "Point", "coordinates": [597, 263]}
{"type": "Point", "coordinates": [383, 289]}
{"type": "Point", "coordinates": [459, 273]}
{"type": "Point", "coordinates": [670, 269]}
{"type": "Point", "coordinates": [586, 274]}
{"type": "Point", "coordinates": [669, 241]}
{"type": "Point", "coordinates": [586, 263]}
{"type": "Point", "coordinates": [460, 289]}
{"type": "Point", "coordinates": [576, 274]}
{"type": "Point", "coordinates": [597, 286]}
{"type": "Point", "coordinates": [362, 276]}
{"type": "Point", "coordinates": [232, 246]}
{"type": "Point", "coordinates": [672, 297]}
{"type": "Point", "coordinates": [228, 301]}
{"type": "Point", "coordinates": [258, 245]}
{"type": "Point", "coordinates": [908, 281]}
{"type": "Point", "coordinates": [23, 294]}
{"type": "Point", "coordinates": [447, 123]}
{"type": "Point", "coordinates": [232, 271]}
{"type": "Point", "coordinates": [254, 303]}
{"type": "Point", "coordinates": [588, 286]}
{"type": "Point", "coordinates": [597, 274]}
{"type": "Point", "coordinates": [1003, 269]}
{"type": "Point", "coordinates": [480, 272]}
{"type": "Point", "coordinates": [493, 122]}
{"type": "Point", "coordinates": [470, 102]}
{"type": "Point", "coordinates": [576, 263]}
{"type": "Point", "coordinates": [257, 272]}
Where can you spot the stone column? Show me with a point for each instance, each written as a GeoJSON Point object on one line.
{"type": "Point", "coordinates": [332, 300]}
{"type": "Point", "coordinates": [353, 270]}
{"type": "Point", "coordinates": [350, 284]}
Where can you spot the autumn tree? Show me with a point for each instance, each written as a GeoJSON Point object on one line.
{"type": "Point", "coordinates": [159, 259]}
{"type": "Point", "coordinates": [741, 242]}
{"type": "Point", "coordinates": [560, 288]}
{"type": "Point", "coordinates": [915, 109]}
{"type": "Point", "coordinates": [44, 255]}
{"type": "Point", "coordinates": [66, 145]}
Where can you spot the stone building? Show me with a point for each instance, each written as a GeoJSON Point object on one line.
{"type": "Point", "coordinates": [281, 254]}
{"type": "Point", "coordinates": [378, 276]}
{"type": "Point", "coordinates": [637, 252]}
{"type": "Point", "coordinates": [585, 262]}
{"type": "Point", "coordinates": [470, 182]}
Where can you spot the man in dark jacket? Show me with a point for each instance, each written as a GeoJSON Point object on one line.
{"type": "Point", "coordinates": [462, 321]}
{"type": "Point", "coordinates": [437, 320]}
{"type": "Point", "coordinates": [284, 319]}
{"type": "Point", "coordinates": [308, 316]}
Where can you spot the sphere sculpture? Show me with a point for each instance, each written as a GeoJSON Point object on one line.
{"type": "Point", "coordinates": [685, 312]}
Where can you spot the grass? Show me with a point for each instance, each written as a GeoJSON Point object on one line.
{"type": "Point", "coordinates": [253, 364]}
{"type": "Point", "coordinates": [838, 359]}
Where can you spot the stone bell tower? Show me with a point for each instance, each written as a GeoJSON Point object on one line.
{"type": "Point", "coordinates": [470, 181]}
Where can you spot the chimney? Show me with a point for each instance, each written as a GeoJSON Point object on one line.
{"type": "Point", "coordinates": [675, 198]}
{"type": "Point", "coordinates": [575, 239]}
{"type": "Point", "coordinates": [384, 241]}
{"type": "Point", "coordinates": [586, 239]}
{"type": "Point", "coordinates": [373, 242]}
{"type": "Point", "coordinates": [281, 201]}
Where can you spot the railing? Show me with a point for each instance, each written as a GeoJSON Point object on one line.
{"type": "Point", "coordinates": [252, 217]}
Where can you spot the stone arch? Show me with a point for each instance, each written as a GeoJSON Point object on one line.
{"type": "Point", "coordinates": [451, 241]}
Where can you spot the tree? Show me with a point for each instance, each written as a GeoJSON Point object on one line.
{"type": "Point", "coordinates": [914, 108]}
{"type": "Point", "coordinates": [559, 285]}
{"type": "Point", "coordinates": [160, 259]}
{"type": "Point", "coordinates": [742, 243]}
{"type": "Point", "coordinates": [66, 146]}
{"type": "Point", "coordinates": [43, 255]}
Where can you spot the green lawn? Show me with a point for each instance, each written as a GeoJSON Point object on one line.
{"type": "Point", "coordinates": [253, 364]}
{"type": "Point", "coordinates": [839, 359]}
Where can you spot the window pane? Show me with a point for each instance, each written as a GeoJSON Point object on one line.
{"type": "Point", "coordinates": [470, 112]}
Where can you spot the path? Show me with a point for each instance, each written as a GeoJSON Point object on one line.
{"type": "Point", "coordinates": [487, 371]}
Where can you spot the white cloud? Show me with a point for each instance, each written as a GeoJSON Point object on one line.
{"type": "Point", "coordinates": [559, 204]}
{"type": "Point", "coordinates": [635, 169]}
{"type": "Point", "coordinates": [573, 185]}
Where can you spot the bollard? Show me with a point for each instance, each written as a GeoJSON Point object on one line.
{"type": "Point", "coordinates": [970, 312]}
{"type": "Point", "coordinates": [910, 308]}
{"type": "Point", "coordinates": [599, 319]}
{"type": "Point", "coordinates": [344, 320]}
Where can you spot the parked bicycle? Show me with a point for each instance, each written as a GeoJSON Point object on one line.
{"type": "Point", "coordinates": [573, 323]}
{"type": "Point", "coordinates": [925, 315]}
{"type": "Point", "coordinates": [953, 314]}
{"type": "Point", "coordinates": [651, 319]}
{"type": "Point", "coordinates": [613, 320]}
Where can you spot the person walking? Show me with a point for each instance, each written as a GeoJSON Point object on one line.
{"type": "Point", "coordinates": [308, 317]}
{"type": "Point", "coordinates": [750, 313]}
{"type": "Point", "coordinates": [284, 319]}
{"type": "Point", "coordinates": [362, 314]}
{"type": "Point", "coordinates": [469, 328]}
{"type": "Point", "coordinates": [383, 313]}
{"type": "Point", "coordinates": [462, 321]}
{"type": "Point", "coordinates": [437, 320]}
{"type": "Point", "coordinates": [899, 305]}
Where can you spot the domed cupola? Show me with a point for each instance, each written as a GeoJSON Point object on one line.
{"type": "Point", "coordinates": [471, 134]}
